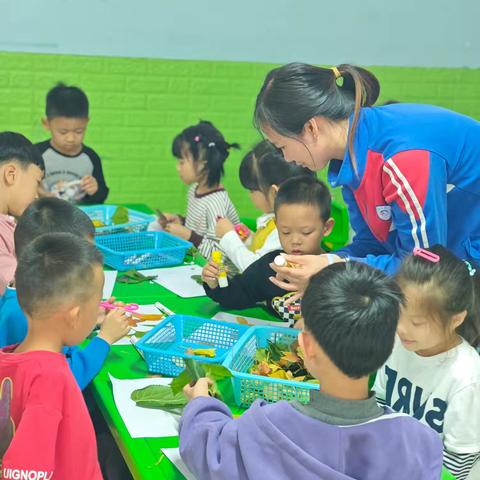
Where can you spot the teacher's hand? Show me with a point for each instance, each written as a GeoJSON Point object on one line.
{"type": "Point", "coordinates": [296, 279]}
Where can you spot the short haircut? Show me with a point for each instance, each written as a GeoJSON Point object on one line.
{"type": "Point", "coordinates": [305, 190]}
{"type": "Point", "coordinates": [50, 215]}
{"type": "Point", "coordinates": [54, 267]}
{"type": "Point", "coordinates": [15, 147]}
{"type": "Point", "coordinates": [65, 101]}
{"type": "Point", "coordinates": [352, 311]}
{"type": "Point", "coordinates": [265, 166]}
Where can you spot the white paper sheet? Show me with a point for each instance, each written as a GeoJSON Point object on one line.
{"type": "Point", "coordinates": [143, 422]}
{"type": "Point", "coordinates": [229, 317]}
{"type": "Point", "coordinates": [110, 279]}
{"type": "Point", "coordinates": [145, 326]}
{"type": "Point", "coordinates": [178, 280]}
{"type": "Point", "coordinates": [173, 454]}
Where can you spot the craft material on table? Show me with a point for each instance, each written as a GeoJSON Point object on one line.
{"type": "Point", "coordinates": [133, 276]}
{"type": "Point", "coordinates": [144, 318]}
{"type": "Point", "coordinates": [230, 317]}
{"type": "Point", "coordinates": [179, 280]}
{"type": "Point", "coordinates": [110, 279]}
{"type": "Point", "coordinates": [143, 422]}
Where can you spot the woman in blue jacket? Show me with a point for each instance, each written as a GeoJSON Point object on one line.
{"type": "Point", "coordinates": [410, 174]}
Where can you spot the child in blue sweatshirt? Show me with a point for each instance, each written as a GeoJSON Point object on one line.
{"type": "Point", "coordinates": [49, 215]}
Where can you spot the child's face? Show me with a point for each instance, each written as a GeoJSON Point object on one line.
{"type": "Point", "coordinates": [186, 170]}
{"type": "Point", "coordinates": [67, 133]}
{"type": "Point", "coordinates": [417, 331]}
{"type": "Point", "coordinates": [300, 228]}
{"type": "Point", "coordinates": [89, 309]}
{"type": "Point", "coordinates": [261, 201]}
{"type": "Point", "coordinates": [23, 184]}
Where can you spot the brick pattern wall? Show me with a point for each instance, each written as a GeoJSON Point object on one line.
{"type": "Point", "coordinates": [139, 105]}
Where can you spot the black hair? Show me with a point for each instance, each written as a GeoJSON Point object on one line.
{"type": "Point", "coordinates": [15, 147]}
{"type": "Point", "coordinates": [265, 166]}
{"type": "Point", "coordinates": [352, 311]}
{"type": "Point", "coordinates": [448, 287]}
{"type": "Point", "coordinates": [66, 101]}
{"type": "Point", "coordinates": [307, 190]}
{"type": "Point", "coordinates": [293, 94]}
{"type": "Point", "coordinates": [390, 102]}
{"type": "Point", "coordinates": [50, 215]}
{"type": "Point", "coordinates": [205, 143]}
{"type": "Point", "coordinates": [53, 267]}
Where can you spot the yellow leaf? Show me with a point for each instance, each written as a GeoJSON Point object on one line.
{"type": "Point", "coordinates": [290, 357]}
{"type": "Point", "coordinates": [279, 374]}
{"type": "Point", "coordinates": [201, 352]}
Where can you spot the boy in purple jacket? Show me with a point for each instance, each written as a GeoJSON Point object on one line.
{"type": "Point", "coordinates": [350, 312]}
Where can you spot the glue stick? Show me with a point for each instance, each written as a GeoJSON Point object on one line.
{"type": "Point", "coordinates": [217, 257]}
{"type": "Point", "coordinates": [280, 261]}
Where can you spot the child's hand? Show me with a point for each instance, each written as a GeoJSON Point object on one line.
{"type": "Point", "coordinates": [210, 274]}
{"type": "Point", "coordinates": [200, 389]}
{"type": "Point", "coordinates": [102, 312]}
{"type": "Point", "coordinates": [89, 185]}
{"type": "Point", "coordinates": [223, 226]}
{"type": "Point", "coordinates": [114, 326]}
{"type": "Point", "coordinates": [178, 230]}
{"type": "Point", "coordinates": [172, 218]}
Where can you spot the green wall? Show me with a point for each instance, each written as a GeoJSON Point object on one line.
{"type": "Point", "coordinates": [138, 105]}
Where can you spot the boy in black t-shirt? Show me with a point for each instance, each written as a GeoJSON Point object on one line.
{"type": "Point", "coordinates": [73, 171]}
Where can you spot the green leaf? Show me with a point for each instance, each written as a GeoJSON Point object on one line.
{"type": "Point", "coordinates": [179, 382]}
{"type": "Point", "coordinates": [216, 372]}
{"type": "Point", "coordinates": [158, 396]}
{"type": "Point", "coordinates": [120, 215]}
{"type": "Point", "coordinates": [194, 369]}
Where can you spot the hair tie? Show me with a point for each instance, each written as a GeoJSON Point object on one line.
{"type": "Point", "coordinates": [211, 144]}
{"type": "Point", "coordinates": [336, 72]}
{"type": "Point", "coordinates": [429, 256]}
{"type": "Point", "coordinates": [197, 138]}
{"type": "Point", "coordinates": [471, 270]}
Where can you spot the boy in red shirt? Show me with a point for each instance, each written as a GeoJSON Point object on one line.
{"type": "Point", "coordinates": [59, 283]}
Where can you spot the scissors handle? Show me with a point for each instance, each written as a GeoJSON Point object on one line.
{"type": "Point", "coordinates": [130, 307]}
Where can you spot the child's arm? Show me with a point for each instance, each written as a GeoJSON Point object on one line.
{"type": "Point", "coordinates": [239, 253]}
{"type": "Point", "coordinates": [248, 288]}
{"type": "Point", "coordinates": [209, 439]}
{"type": "Point", "coordinates": [102, 191]}
{"type": "Point", "coordinates": [85, 363]}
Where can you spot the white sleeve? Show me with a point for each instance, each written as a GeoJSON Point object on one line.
{"type": "Point", "coordinates": [239, 253]}
{"type": "Point", "coordinates": [461, 427]}
{"type": "Point", "coordinates": [380, 385]}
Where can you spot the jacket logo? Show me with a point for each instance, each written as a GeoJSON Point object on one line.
{"type": "Point", "coordinates": [384, 212]}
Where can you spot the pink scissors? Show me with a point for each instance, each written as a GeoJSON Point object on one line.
{"type": "Point", "coordinates": [130, 307]}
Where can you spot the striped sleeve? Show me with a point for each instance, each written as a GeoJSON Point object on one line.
{"type": "Point", "coordinates": [414, 185]}
{"type": "Point", "coordinates": [460, 464]}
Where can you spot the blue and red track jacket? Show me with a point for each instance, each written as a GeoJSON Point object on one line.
{"type": "Point", "coordinates": [418, 184]}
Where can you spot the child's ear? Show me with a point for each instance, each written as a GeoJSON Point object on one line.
{"type": "Point", "coordinates": [305, 341]}
{"type": "Point", "coordinates": [45, 123]}
{"type": "Point", "coordinates": [458, 319]}
{"type": "Point", "coordinates": [10, 173]}
{"type": "Point", "coordinates": [73, 317]}
{"type": "Point", "coordinates": [328, 227]}
{"type": "Point", "coordinates": [311, 129]}
{"type": "Point", "coordinates": [272, 193]}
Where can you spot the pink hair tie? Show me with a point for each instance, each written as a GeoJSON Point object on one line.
{"type": "Point", "coordinates": [197, 138]}
{"type": "Point", "coordinates": [430, 256]}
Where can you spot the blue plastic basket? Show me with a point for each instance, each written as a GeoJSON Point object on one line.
{"type": "Point", "coordinates": [165, 346]}
{"type": "Point", "coordinates": [247, 387]}
{"type": "Point", "coordinates": [138, 221]}
{"type": "Point", "coordinates": [124, 251]}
